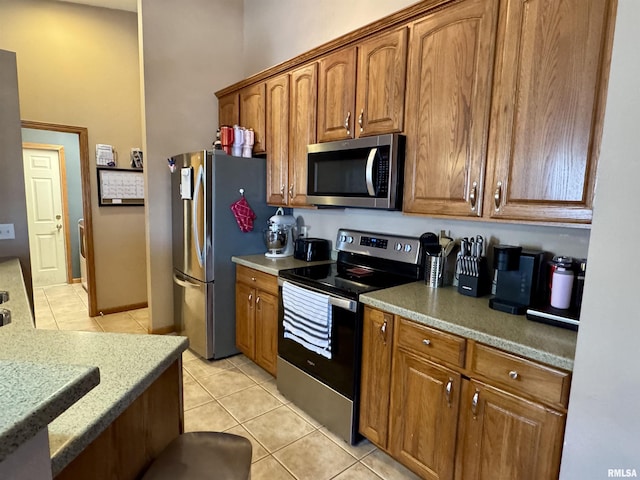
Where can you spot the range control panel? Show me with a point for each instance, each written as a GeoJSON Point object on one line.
{"type": "Point", "coordinates": [381, 245]}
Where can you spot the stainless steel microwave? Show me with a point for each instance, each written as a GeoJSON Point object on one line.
{"type": "Point", "coordinates": [364, 172]}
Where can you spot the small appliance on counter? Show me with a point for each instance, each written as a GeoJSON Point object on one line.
{"type": "Point", "coordinates": [472, 271]}
{"type": "Point", "coordinates": [278, 236]}
{"type": "Point", "coordinates": [566, 282]}
{"type": "Point", "coordinates": [520, 279]}
{"type": "Point", "coordinates": [438, 266]}
{"type": "Point", "coordinates": [312, 249]}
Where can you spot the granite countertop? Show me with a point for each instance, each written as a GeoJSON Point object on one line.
{"type": "Point", "coordinates": [273, 265]}
{"type": "Point", "coordinates": [470, 317]}
{"type": "Point", "coordinates": [127, 364]}
{"type": "Point", "coordinates": [33, 394]}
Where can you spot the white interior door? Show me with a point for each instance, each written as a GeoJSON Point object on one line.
{"type": "Point", "coordinates": [45, 216]}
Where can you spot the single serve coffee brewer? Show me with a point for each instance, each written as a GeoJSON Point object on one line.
{"type": "Point", "coordinates": [520, 280]}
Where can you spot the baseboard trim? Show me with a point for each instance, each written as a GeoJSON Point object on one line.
{"type": "Point", "coordinates": [162, 330]}
{"type": "Point", "coordinates": [123, 308]}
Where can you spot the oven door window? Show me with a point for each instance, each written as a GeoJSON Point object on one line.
{"type": "Point", "coordinates": [361, 172]}
{"type": "Point", "coordinates": [342, 371]}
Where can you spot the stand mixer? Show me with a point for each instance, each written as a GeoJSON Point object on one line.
{"type": "Point", "coordinates": [278, 237]}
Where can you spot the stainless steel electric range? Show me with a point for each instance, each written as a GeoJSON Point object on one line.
{"type": "Point", "coordinates": [320, 327]}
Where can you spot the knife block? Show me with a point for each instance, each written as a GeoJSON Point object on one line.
{"type": "Point", "coordinates": [476, 285]}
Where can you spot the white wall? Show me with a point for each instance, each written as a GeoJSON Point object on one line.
{"type": "Point", "coordinates": [277, 30]}
{"type": "Point", "coordinates": [603, 428]}
{"type": "Point", "coordinates": [189, 49]}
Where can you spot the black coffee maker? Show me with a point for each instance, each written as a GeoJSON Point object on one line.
{"type": "Point", "coordinates": [520, 278]}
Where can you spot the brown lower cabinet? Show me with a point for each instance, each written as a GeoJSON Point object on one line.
{"type": "Point", "coordinates": [447, 407]}
{"type": "Point", "coordinates": [257, 316]}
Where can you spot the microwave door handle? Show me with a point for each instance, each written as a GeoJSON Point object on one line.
{"type": "Point", "coordinates": [369, 172]}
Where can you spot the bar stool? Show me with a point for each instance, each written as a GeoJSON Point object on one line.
{"type": "Point", "coordinates": [203, 455]}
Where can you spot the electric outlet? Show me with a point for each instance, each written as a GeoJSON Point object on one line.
{"type": "Point", "coordinates": [7, 232]}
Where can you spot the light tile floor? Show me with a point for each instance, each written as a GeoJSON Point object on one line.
{"type": "Point", "coordinates": [236, 396]}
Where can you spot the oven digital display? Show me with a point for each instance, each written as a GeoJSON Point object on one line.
{"type": "Point", "coordinates": [373, 242]}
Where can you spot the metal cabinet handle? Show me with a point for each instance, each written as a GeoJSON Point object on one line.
{"type": "Point", "coordinates": [250, 297]}
{"type": "Point", "coordinates": [514, 375]}
{"type": "Point", "coordinates": [4, 296]}
{"type": "Point", "coordinates": [258, 302]}
{"type": "Point", "coordinates": [347, 123]}
{"type": "Point", "coordinates": [253, 279]}
{"type": "Point", "coordinates": [426, 341]}
{"type": "Point", "coordinates": [447, 390]}
{"type": "Point", "coordinates": [383, 330]}
{"type": "Point", "coordinates": [472, 196]}
{"type": "Point", "coordinates": [59, 227]}
{"type": "Point", "coordinates": [291, 195]}
{"type": "Point", "coordinates": [497, 196]}
{"type": "Point", "coordinates": [282, 191]}
{"type": "Point", "coordinates": [5, 316]}
{"type": "Point", "coordinates": [360, 121]}
{"type": "Point", "coordinates": [474, 403]}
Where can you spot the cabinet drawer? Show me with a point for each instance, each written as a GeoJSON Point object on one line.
{"type": "Point", "coordinates": [534, 379]}
{"type": "Point", "coordinates": [429, 341]}
{"type": "Point", "coordinates": [258, 279]}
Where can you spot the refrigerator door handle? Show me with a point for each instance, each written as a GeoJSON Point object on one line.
{"type": "Point", "coordinates": [194, 216]}
{"type": "Point", "coordinates": [183, 282]}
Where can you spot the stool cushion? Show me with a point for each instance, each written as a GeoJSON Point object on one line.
{"type": "Point", "coordinates": [203, 455]}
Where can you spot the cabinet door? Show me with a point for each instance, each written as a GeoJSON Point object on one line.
{"type": "Point", "coordinates": [229, 110]}
{"type": "Point", "coordinates": [302, 129]}
{"type": "Point", "coordinates": [547, 109]}
{"type": "Point", "coordinates": [377, 335]}
{"type": "Point", "coordinates": [503, 437]}
{"type": "Point", "coordinates": [277, 128]}
{"type": "Point", "coordinates": [267, 331]}
{"type": "Point", "coordinates": [380, 91]}
{"type": "Point", "coordinates": [448, 94]}
{"type": "Point", "coordinates": [336, 95]}
{"type": "Point", "coordinates": [245, 319]}
{"type": "Point", "coordinates": [425, 400]}
{"type": "Point", "coordinates": [252, 113]}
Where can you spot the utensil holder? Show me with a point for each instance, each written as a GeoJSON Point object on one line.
{"type": "Point", "coordinates": [473, 276]}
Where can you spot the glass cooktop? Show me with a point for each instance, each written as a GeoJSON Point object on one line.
{"type": "Point", "coordinates": [344, 279]}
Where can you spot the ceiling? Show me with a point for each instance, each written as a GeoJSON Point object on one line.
{"type": "Point", "coordinates": [128, 5]}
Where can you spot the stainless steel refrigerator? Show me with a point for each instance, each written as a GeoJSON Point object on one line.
{"type": "Point", "coordinates": [206, 235]}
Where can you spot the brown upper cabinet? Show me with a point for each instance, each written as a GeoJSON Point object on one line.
{"type": "Point", "coordinates": [277, 137]}
{"type": "Point", "coordinates": [548, 102]}
{"type": "Point", "coordinates": [361, 88]}
{"type": "Point", "coordinates": [229, 110]}
{"type": "Point", "coordinates": [302, 128]}
{"type": "Point", "coordinates": [448, 91]}
{"type": "Point", "coordinates": [501, 101]}
{"type": "Point", "coordinates": [252, 113]}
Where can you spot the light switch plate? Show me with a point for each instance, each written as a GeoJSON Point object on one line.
{"type": "Point", "coordinates": [7, 231]}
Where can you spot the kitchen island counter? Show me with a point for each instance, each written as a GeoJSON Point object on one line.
{"type": "Point", "coordinates": [128, 366]}
{"type": "Point", "coordinates": [470, 317]}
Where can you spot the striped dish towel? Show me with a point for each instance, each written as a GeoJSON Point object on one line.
{"type": "Point", "coordinates": [307, 318]}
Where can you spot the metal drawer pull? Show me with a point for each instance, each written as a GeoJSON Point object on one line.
{"type": "Point", "coordinates": [513, 375]}
{"type": "Point", "coordinates": [346, 123]}
{"type": "Point", "coordinates": [360, 120]}
{"type": "Point", "coordinates": [474, 403]}
{"type": "Point", "coordinates": [426, 341]}
{"type": "Point", "coordinates": [253, 279]}
{"type": "Point", "coordinates": [447, 391]}
{"type": "Point", "coordinates": [383, 331]}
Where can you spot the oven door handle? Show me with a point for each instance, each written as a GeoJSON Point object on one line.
{"type": "Point", "coordinates": [344, 303]}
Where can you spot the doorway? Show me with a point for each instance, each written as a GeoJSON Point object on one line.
{"type": "Point", "coordinates": [83, 142]}
{"type": "Point", "coordinates": [47, 213]}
